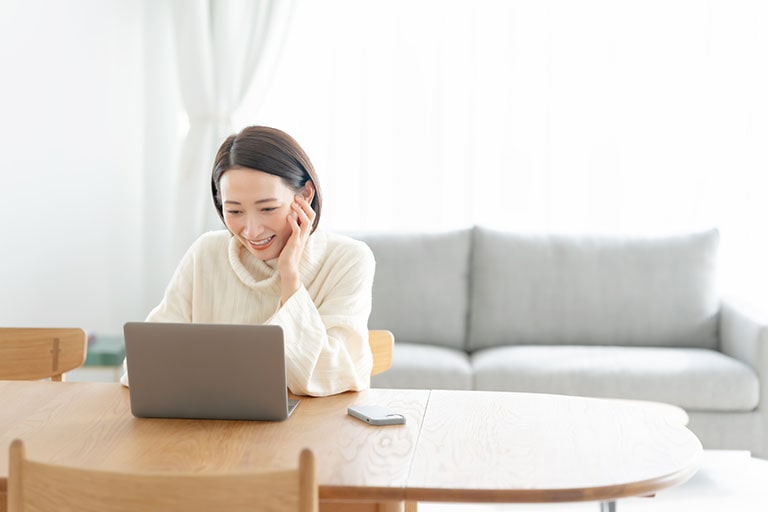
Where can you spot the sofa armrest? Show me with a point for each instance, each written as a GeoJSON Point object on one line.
{"type": "Point", "coordinates": [744, 336]}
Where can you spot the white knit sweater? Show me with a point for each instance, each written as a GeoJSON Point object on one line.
{"type": "Point", "coordinates": [325, 322]}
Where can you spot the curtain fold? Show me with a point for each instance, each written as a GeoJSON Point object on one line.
{"type": "Point", "coordinates": [222, 47]}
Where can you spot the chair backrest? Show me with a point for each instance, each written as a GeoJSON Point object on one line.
{"type": "Point", "coordinates": [35, 486]}
{"type": "Point", "coordinates": [382, 345]}
{"type": "Point", "coordinates": [40, 353]}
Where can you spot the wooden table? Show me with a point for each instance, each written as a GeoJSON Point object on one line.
{"type": "Point", "coordinates": [456, 446]}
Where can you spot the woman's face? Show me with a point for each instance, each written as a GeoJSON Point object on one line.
{"type": "Point", "coordinates": [256, 206]}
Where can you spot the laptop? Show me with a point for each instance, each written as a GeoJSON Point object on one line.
{"type": "Point", "coordinates": [207, 371]}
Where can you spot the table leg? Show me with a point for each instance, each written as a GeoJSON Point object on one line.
{"type": "Point", "coordinates": [366, 506]}
{"type": "Point", "coordinates": [390, 506]}
{"type": "Point", "coordinates": [608, 506]}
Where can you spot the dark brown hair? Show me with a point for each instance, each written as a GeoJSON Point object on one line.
{"type": "Point", "coordinates": [268, 150]}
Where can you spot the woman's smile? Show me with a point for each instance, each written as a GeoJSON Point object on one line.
{"type": "Point", "coordinates": [261, 244]}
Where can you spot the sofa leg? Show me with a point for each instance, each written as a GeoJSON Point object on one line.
{"type": "Point", "coordinates": [608, 506]}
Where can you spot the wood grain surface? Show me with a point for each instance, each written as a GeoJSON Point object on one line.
{"type": "Point", "coordinates": [90, 425]}
{"type": "Point", "coordinates": [456, 446]}
{"type": "Point", "coordinates": [522, 447]}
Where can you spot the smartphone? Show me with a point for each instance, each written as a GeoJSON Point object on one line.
{"type": "Point", "coordinates": [376, 415]}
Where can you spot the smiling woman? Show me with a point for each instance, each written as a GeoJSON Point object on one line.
{"type": "Point", "coordinates": [256, 205]}
{"type": "Point", "coordinates": [273, 266]}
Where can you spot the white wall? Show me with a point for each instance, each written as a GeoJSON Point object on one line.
{"type": "Point", "coordinates": [71, 167]}
{"type": "Point", "coordinates": [164, 129]}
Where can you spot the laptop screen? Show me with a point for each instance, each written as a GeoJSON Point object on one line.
{"type": "Point", "coordinates": [206, 371]}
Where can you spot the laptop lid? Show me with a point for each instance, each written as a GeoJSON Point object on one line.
{"type": "Point", "coordinates": [206, 371]}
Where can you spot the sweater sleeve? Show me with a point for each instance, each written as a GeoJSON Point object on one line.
{"type": "Point", "coordinates": [327, 348]}
{"type": "Point", "coordinates": [176, 305]}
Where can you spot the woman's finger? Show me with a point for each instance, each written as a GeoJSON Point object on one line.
{"type": "Point", "coordinates": [305, 221]}
{"type": "Point", "coordinates": [306, 207]}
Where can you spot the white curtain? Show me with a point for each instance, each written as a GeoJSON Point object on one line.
{"type": "Point", "coordinates": [224, 48]}
{"type": "Point", "coordinates": [535, 115]}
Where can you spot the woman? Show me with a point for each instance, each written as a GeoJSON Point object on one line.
{"type": "Point", "coordinates": [272, 266]}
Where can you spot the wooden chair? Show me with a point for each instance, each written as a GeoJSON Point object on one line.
{"type": "Point", "coordinates": [40, 353]}
{"type": "Point", "coordinates": [36, 486]}
{"type": "Point", "coordinates": [382, 345]}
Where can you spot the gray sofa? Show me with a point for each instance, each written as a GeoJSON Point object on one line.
{"type": "Point", "coordinates": [637, 318]}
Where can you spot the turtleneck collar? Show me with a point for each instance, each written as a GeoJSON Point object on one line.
{"type": "Point", "coordinates": [259, 274]}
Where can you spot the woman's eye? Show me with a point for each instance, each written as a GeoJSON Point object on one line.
{"type": "Point", "coordinates": [233, 212]}
{"type": "Point", "coordinates": [270, 209]}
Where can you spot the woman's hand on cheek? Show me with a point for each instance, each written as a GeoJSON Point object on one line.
{"type": "Point", "coordinates": [300, 219]}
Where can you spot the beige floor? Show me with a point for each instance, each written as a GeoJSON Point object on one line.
{"type": "Point", "coordinates": [727, 481]}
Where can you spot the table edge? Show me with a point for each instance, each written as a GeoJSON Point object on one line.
{"type": "Point", "coordinates": [602, 493]}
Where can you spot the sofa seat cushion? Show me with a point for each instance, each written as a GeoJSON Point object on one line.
{"type": "Point", "coordinates": [426, 367]}
{"type": "Point", "coordinates": [593, 290]}
{"type": "Point", "coordinates": [692, 378]}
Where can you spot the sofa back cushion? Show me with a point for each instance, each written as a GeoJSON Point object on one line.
{"type": "Point", "coordinates": [420, 289]}
{"type": "Point", "coordinates": [582, 290]}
